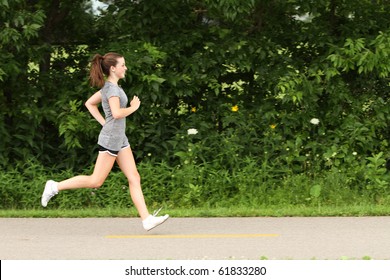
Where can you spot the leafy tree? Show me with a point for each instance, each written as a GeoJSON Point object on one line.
{"type": "Point", "coordinates": [19, 27]}
{"type": "Point", "coordinates": [44, 52]}
{"type": "Point", "coordinates": [248, 75]}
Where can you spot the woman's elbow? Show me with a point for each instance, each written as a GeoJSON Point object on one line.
{"type": "Point", "coordinates": [116, 115]}
{"type": "Point", "coordinates": [87, 104]}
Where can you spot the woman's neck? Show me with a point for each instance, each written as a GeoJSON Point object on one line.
{"type": "Point", "coordinates": [112, 80]}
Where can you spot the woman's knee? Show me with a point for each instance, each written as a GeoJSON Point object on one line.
{"type": "Point", "coordinates": [96, 182]}
{"type": "Point", "coordinates": [134, 179]}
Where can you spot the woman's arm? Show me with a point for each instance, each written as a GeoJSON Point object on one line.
{"type": "Point", "coordinates": [92, 105]}
{"type": "Point", "coordinates": [118, 112]}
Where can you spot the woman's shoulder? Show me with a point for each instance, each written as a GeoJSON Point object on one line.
{"type": "Point", "coordinates": [110, 89]}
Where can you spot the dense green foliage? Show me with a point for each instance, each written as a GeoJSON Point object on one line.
{"type": "Point", "coordinates": [285, 96]}
{"type": "Point", "coordinates": [249, 190]}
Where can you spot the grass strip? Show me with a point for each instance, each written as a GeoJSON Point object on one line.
{"type": "Point", "coordinates": [271, 211]}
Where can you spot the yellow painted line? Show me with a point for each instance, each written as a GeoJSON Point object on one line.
{"type": "Point", "coordinates": [189, 236]}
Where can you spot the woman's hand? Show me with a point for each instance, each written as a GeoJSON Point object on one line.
{"type": "Point", "coordinates": [135, 103]}
{"type": "Point", "coordinates": [118, 112]}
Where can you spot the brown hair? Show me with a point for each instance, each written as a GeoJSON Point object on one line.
{"type": "Point", "coordinates": [100, 67]}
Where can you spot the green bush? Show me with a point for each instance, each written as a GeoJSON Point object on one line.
{"type": "Point", "coordinates": [203, 186]}
{"type": "Point", "coordinates": [289, 100]}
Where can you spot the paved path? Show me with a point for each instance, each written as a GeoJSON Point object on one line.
{"type": "Point", "coordinates": [196, 238]}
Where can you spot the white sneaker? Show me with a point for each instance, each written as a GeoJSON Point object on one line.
{"type": "Point", "coordinates": [152, 221]}
{"type": "Point", "coordinates": [49, 192]}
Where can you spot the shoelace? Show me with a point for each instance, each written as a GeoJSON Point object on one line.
{"type": "Point", "coordinates": [50, 195]}
{"type": "Point", "coordinates": [155, 213]}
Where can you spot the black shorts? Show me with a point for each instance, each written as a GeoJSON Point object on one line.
{"type": "Point", "coordinates": [111, 152]}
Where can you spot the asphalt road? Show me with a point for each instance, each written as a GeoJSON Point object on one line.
{"type": "Point", "coordinates": [322, 238]}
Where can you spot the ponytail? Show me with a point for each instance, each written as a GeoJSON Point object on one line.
{"type": "Point", "coordinates": [100, 67]}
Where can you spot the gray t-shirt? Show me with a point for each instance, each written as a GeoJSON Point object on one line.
{"type": "Point", "coordinates": [113, 136]}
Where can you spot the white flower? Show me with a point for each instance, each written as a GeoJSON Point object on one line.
{"type": "Point", "coordinates": [314, 121]}
{"type": "Point", "coordinates": [354, 153]}
{"type": "Point", "coordinates": [192, 131]}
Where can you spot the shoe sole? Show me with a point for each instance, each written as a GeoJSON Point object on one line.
{"type": "Point", "coordinates": [158, 224]}
{"type": "Point", "coordinates": [42, 200]}
{"type": "Point", "coordinates": [46, 185]}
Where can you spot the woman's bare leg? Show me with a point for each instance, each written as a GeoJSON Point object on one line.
{"type": "Point", "coordinates": [103, 166]}
{"type": "Point", "coordinates": [126, 162]}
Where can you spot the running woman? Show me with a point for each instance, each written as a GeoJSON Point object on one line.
{"type": "Point", "coordinates": [113, 144]}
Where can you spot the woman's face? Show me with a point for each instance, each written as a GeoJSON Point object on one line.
{"type": "Point", "coordinates": [120, 69]}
